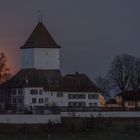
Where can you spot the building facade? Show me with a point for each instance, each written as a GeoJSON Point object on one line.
{"type": "Point", "coordinates": [40, 83]}
{"type": "Point", "coordinates": [131, 100]}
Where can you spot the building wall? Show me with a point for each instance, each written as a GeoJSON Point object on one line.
{"type": "Point", "coordinates": [28, 97]}
{"type": "Point", "coordinates": [29, 119]}
{"type": "Point", "coordinates": [41, 58]}
{"type": "Point", "coordinates": [17, 97]}
{"type": "Point", "coordinates": [27, 58]}
{"type": "Point", "coordinates": [138, 103]}
{"type": "Point", "coordinates": [54, 98]}
{"type": "Point", "coordinates": [47, 58]}
{"type": "Point", "coordinates": [116, 114]}
{"type": "Point", "coordinates": [112, 105]}
{"type": "Point", "coordinates": [130, 104]}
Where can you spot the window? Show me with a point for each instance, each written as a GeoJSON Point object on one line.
{"type": "Point", "coordinates": [81, 96]}
{"type": "Point", "coordinates": [59, 94]}
{"type": "Point", "coordinates": [77, 104]}
{"type": "Point", "coordinates": [33, 92]}
{"type": "Point", "coordinates": [81, 104]}
{"type": "Point", "coordinates": [51, 94]}
{"type": "Point", "coordinates": [40, 100]}
{"type": "Point", "coordinates": [40, 91]}
{"type": "Point", "coordinates": [14, 100]}
{"type": "Point", "coordinates": [13, 91]}
{"type": "Point", "coordinates": [76, 96]}
{"type": "Point", "coordinates": [46, 100]}
{"type": "Point", "coordinates": [130, 103]}
{"type": "Point", "coordinates": [95, 104]}
{"type": "Point", "coordinates": [20, 92]}
{"type": "Point", "coordinates": [90, 104]}
{"type": "Point", "coordinates": [70, 96]}
{"type": "Point", "coordinates": [70, 103]}
{"type": "Point", "coordinates": [92, 96]}
{"type": "Point", "coordinates": [33, 100]}
{"type": "Point", "coordinates": [20, 100]}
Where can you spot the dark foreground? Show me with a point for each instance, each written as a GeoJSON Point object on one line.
{"type": "Point", "coordinates": [75, 129]}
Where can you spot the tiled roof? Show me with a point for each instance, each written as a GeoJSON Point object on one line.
{"type": "Point", "coordinates": [35, 78]}
{"type": "Point", "coordinates": [130, 95]}
{"type": "Point", "coordinates": [51, 80]}
{"type": "Point", "coordinates": [111, 101]}
{"type": "Point", "coordinates": [79, 82]}
{"type": "Point", "coordinates": [40, 38]}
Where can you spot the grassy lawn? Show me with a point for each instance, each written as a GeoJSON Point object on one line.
{"type": "Point", "coordinates": [74, 129]}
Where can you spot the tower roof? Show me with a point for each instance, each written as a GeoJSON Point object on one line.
{"type": "Point", "coordinates": [40, 38]}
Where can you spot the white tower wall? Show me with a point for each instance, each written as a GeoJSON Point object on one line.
{"type": "Point", "coordinates": [27, 58]}
{"type": "Point", "coordinates": [41, 58]}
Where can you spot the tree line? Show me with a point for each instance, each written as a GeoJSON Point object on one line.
{"type": "Point", "coordinates": [123, 75]}
{"type": "Point", "coordinates": [5, 73]}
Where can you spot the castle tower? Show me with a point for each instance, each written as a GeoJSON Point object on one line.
{"type": "Point", "coordinates": [40, 51]}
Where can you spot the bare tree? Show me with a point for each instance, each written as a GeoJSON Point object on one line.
{"type": "Point", "coordinates": [135, 76]}
{"type": "Point", "coordinates": [121, 71]}
{"type": "Point", "coordinates": [104, 85]}
{"type": "Point", "coordinates": [4, 70]}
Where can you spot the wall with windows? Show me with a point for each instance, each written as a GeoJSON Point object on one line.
{"type": "Point", "coordinates": [17, 96]}
{"type": "Point", "coordinates": [39, 97]}
{"type": "Point", "coordinates": [82, 99]}
{"type": "Point", "coordinates": [36, 96]}
{"type": "Point", "coordinates": [130, 104]}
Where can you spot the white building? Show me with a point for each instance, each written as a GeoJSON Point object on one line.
{"type": "Point", "coordinates": [40, 83]}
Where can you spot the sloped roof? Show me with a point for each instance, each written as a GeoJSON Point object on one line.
{"type": "Point", "coordinates": [111, 101]}
{"type": "Point", "coordinates": [79, 82]}
{"type": "Point", "coordinates": [35, 78]}
{"type": "Point", "coordinates": [40, 38]}
{"type": "Point", "coordinates": [51, 80]}
{"type": "Point", "coordinates": [130, 95]}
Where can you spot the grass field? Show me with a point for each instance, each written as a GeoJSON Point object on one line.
{"type": "Point", "coordinates": [74, 129]}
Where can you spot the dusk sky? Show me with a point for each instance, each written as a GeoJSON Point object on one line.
{"type": "Point", "coordinates": [90, 32]}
